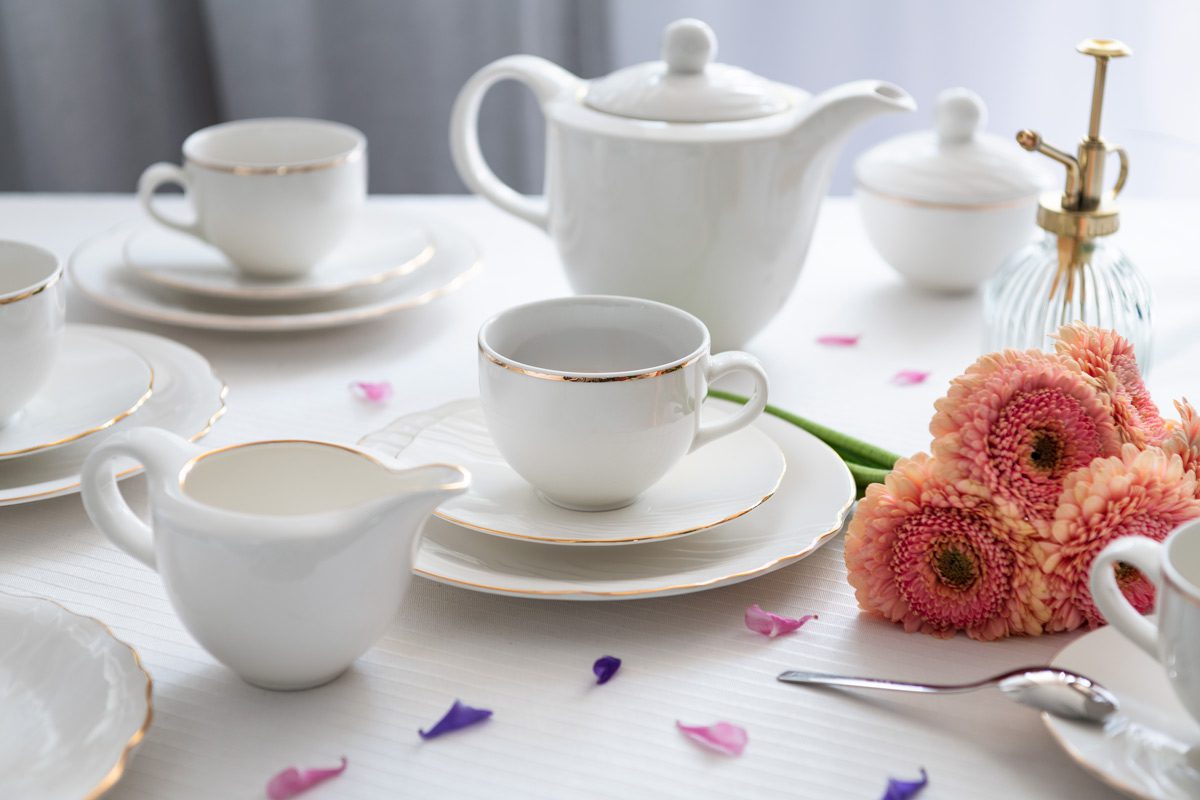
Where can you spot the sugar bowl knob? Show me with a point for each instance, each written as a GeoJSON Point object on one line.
{"type": "Point", "coordinates": [688, 46]}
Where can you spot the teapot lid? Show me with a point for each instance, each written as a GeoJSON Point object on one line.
{"type": "Point", "coordinates": [955, 164]}
{"type": "Point", "coordinates": [686, 86]}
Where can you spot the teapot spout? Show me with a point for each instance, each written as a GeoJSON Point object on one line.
{"type": "Point", "coordinates": [832, 114]}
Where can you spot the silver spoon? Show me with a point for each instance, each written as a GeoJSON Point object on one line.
{"type": "Point", "coordinates": [1057, 691]}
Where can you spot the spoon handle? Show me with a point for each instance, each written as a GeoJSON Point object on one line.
{"type": "Point", "coordinates": [823, 679]}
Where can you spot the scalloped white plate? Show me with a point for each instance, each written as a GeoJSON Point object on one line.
{"type": "Point", "coordinates": [74, 702]}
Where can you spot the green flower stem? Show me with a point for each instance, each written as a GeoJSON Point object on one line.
{"type": "Point", "coordinates": [867, 463]}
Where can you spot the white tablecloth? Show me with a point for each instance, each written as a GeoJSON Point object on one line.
{"type": "Point", "coordinates": [554, 734]}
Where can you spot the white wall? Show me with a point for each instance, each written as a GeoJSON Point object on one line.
{"type": "Point", "coordinates": [1018, 54]}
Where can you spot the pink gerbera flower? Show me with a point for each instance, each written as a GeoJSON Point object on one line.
{"type": "Point", "coordinates": [1108, 358]}
{"type": "Point", "coordinates": [1015, 424]}
{"type": "Point", "coordinates": [1183, 438]}
{"type": "Point", "coordinates": [1138, 493]}
{"type": "Point", "coordinates": [923, 554]}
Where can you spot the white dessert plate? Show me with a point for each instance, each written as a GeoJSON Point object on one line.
{"type": "Point", "coordinates": [1151, 748]}
{"type": "Point", "coordinates": [74, 702]}
{"type": "Point", "coordinates": [807, 511]}
{"type": "Point", "coordinates": [98, 268]}
{"type": "Point", "coordinates": [188, 399]}
{"type": "Point", "coordinates": [386, 243]}
{"type": "Point", "coordinates": [710, 487]}
{"type": "Point", "coordinates": [95, 384]}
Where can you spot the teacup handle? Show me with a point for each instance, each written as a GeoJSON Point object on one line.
{"type": "Point", "coordinates": [162, 453]}
{"type": "Point", "coordinates": [545, 80]}
{"type": "Point", "coordinates": [723, 364]}
{"type": "Point", "coordinates": [160, 174]}
{"type": "Point", "coordinates": [1146, 555]}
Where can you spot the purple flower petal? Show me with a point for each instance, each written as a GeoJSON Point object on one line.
{"type": "Point", "coordinates": [292, 781]}
{"type": "Point", "coordinates": [903, 790]}
{"type": "Point", "coordinates": [722, 737]}
{"type": "Point", "coordinates": [459, 716]}
{"type": "Point", "coordinates": [909, 377]}
{"type": "Point", "coordinates": [605, 667]}
{"type": "Point", "coordinates": [837, 340]}
{"type": "Point", "coordinates": [378, 392]}
{"type": "Point", "coordinates": [772, 625]}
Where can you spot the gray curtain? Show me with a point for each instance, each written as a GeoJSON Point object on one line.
{"type": "Point", "coordinates": [91, 91]}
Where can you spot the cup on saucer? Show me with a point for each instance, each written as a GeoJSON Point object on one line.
{"type": "Point", "coordinates": [1173, 566]}
{"type": "Point", "coordinates": [32, 304]}
{"type": "Point", "coordinates": [274, 195]}
{"type": "Point", "coordinates": [593, 399]}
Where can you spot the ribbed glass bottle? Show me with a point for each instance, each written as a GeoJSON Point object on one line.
{"type": "Point", "coordinates": [1039, 289]}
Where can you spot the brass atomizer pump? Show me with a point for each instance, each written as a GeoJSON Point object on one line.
{"type": "Point", "coordinates": [1073, 273]}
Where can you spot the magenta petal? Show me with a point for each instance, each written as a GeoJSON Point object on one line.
{"type": "Point", "coordinates": [723, 737]}
{"type": "Point", "coordinates": [909, 377]}
{"type": "Point", "coordinates": [459, 716]}
{"type": "Point", "coordinates": [379, 392]}
{"type": "Point", "coordinates": [903, 790]}
{"type": "Point", "coordinates": [837, 340]}
{"type": "Point", "coordinates": [292, 781]}
{"type": "Point", "coordinates": [773, 625]}
{"type": "Point", "coordinates": [605, 667]}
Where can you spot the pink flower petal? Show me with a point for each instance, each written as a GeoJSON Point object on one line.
{"type": "Point", "coordinates": [377, 392]}
{"type": "Point", "coordinates": [909, 377]}
{"type": "Point", "coordinates": [292, 781]}
{"type": "Point", "coordinates": [772, 625]}
{"type": "Point", "coordinates": [722, 737]}
{"type": "Point", "coordinates": [837, 340]}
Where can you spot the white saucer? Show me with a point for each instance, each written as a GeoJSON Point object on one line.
{"type": "Point", "coordinates": [74, 702]}
{"type": "Point", "coordinates": [98, 268]}
{"type": "Point", "coordinates": [95, 384]}
{"type": "Point", "coordinates": [188, 399]}
{"type": "Point", "coordinates": [807, 511]}
{"type": "Point", "coordinates": [710, 487]}
{"type": "Point", "coordinates": [1142, 750]}
{"type": "Point", "coordinates": [385, 243]}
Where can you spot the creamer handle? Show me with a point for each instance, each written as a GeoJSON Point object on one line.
{"type": "Point", "coordinates": [162, 453]}
{"type": "Point", "coordinates": [547, 81]}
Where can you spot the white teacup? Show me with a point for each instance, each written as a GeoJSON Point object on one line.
{"type": "Point", "coordinates": [287, 559]}
{"type": "Point", "coordinates": [32, 303]}
{"type": "Point", "coordinates": [1174, 568]}
{"type": "Point", "coordinates": [274, 195]}
{"type": "Point", "coordinates": [592, 399]}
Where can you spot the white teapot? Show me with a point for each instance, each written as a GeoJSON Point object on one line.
{"type": "Point", "coordinates": [684, 181]}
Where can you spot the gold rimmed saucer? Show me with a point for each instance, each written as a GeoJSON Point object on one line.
{"type": "Point", "coordinates": [95, 383]}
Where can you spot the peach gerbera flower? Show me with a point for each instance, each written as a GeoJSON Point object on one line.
{"type": "Point", "coordinates": [1183, 438]}
{"type": "Point", "coordinates": [1137, 493]}
{"type": "Point", "coordinates": [1015, 424]}
{"type": "Point", "coordinates": [1108, 357]}
{"type": "Point", "coordinates": [920, 553]}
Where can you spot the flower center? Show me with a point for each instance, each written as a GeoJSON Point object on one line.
{"type": "Point", "coordinates": [1126, 573]}
{"type": "Point", "coordinates": [1047, 451]}
{"type": "Point", "coordinates": [956, 567]}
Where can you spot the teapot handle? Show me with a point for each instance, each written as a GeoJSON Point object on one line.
{"type": "Point", "coordinates": [163, 453]}
{"type": "Point", "coordinates": [546, 81]}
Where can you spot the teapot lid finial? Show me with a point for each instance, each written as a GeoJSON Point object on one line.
{"type": "Point", "coordinates": [687, 85]}
{"type": "Point", "coordinates": [688, 46]}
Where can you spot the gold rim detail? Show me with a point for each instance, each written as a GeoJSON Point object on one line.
{"type": "Point", "coordinates": [118, 769]}
{"type": "Point", "coordinates": [915, 203]}
{"type": "Point", "coordinates": [623, 540]}
{"type": "Point", "coordinates": [282, 169]}
{"type": "Point", "coordinates": [192, 462]}
{"type": "Point", "coordinates": [550, 376]}
{"type": "Point", "coordinates": [750, 573]}
{"type": "Point", "coordinates": [125, 473]}
{"type": "Point", "coordinates": [53, 279]}
{"type": "Point", "coordinates": [102, 426]}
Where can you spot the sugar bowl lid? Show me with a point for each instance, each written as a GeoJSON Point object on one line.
{"type": "Point", "coordinates": [957, 163]}
{"type": "Point", "coordinates": [687, 85]}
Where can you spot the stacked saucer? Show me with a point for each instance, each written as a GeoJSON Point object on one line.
{"type": "Point", "coordinates": [389, 261]}
{"type": "Point", "coordinates": [749, 503]}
